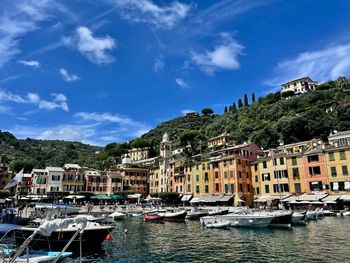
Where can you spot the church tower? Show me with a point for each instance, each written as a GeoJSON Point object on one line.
{"type": "Point", "coordinates": [165, 146]}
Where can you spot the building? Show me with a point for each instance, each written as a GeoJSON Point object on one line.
{"type": "Point", "coordinates": [338, 162]}
{"type": "Point", "coordinates": [73, 178]}
{"type": "Point", "coordinates": [5, 174]}
{"type": "Point", "coordinates": [299, 86]}
{"type": "Point", "coordinates": [39, 181]}
{"type": "Point", "coordinates": [192, 114]}
{"type": "Point", "coordinates": [220, 140]}
{"type": "Point", "coordinates": [165, 154]}
{"type": "Point", "coordinates": [96, 182]}
{"type": "Point", "coordinates": [135, 179]}
{"type": "Point", "coordinates": [137, 154]}
{"type": "Point", "coordinates": [54, 179]}
{"type": "Point", "coordinates": [115, 181]}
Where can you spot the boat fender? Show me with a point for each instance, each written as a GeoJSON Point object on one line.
{"type": "Point", "coordinates": [108, 237]}
{"type": "Point", "coordinates": [125, 231]}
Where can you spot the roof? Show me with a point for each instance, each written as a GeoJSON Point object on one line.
{"type": "Point", "coordinates": [54, 169]}
{"type": "Point", "coordinates": [71, 166]}
{"type": "Point", "coordinates": [226, 198]}
{"type": "Point", "coordinates": [295, 80]}
{"type": "Point", "coordinates": [331, 198]}
{"type": "Point", "coordinates": [312, 197]}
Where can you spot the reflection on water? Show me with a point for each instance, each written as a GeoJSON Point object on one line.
{"type": "Point", "coordinates": [326, 240]}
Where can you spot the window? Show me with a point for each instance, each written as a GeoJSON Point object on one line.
{"type": "Point", "coordinates": [189, 178]}
{"type": "Point", "coordinates": [240, 187]}
{"type": "Point", "coordinates": [274, 161]}
{"type": "Point", "coordinates": [56, 177]}
{"type": "Point", "coordinates": [267, 189]}
{"type": "Point", "coordinates": [197, 189]}
{"type": "Point", "coordinates": [342, 155]}
{"type": "Point", "coordinates": [239, 161]}
{"type": "Point", "coordinates": [231, 162]}
{"type": "Point", "coordinates": [226, 188]}
{"type": "Point", "coordinates": [312, 158]}
{"type": "Point", "coordinates": [217, 187]}
{"type": "Point", "coordinates": [266, 177]}
{"type": "Point", "coordinates": [247, 175]}
{"type": "Point", "coordinates": [231, 174]}
{"type": "Point", "coordinates": [316, 186]}
{"type": "Point", "coordinates": [225, 175]}
{"type": "Point", "coordinates": [224, 163]}
{"type": "Point", "coordinates": [314, 170]}
{"type": "Point", "coordinates": [231, 188]}
{"type": "Point", "coordinates": [207, 189]}
{"type": "Point", "coordinates": [264, 164]}
{"type": "Point", "coordinates": [296, 172]}
{"type": "Point", "coordinates": [240, 174]}
{"type": "Point", "coordinates": [334, 171]}
{"type": "Point", "coordinates": [206, 177]}
{"type": "Point", "coordinates": [189, 188]}
{"type": "Point", "coordinates": [203, 166]}
{"type": "Point", "coordinates": [281, 161]}
{"type": "Point", "coordinates": [280, 188]}
{"type": "Point", "coordinates": [248, 187]}
{"type": "Point", "coordinates": [216, 174]}
{"type": "Point", "coordinates": [345, 170]}
{"type": "Point", "coordinates": [258, 190]}
{"type": "Point", "coordinates": [197, 177]}
{"type": "Point", "coordinates": [331, 156]}
{"type": "Point", "coordinates": [294, 160]}
{"type": "Point", "coordinates": [256, 178]}
{"type": "Point", "coordinates": [343, 141]}
{"type": "Point", "coordinates": [297, 187]}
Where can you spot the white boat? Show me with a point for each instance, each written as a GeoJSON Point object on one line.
{"type": "Point", "coordinates": [196, 214]}
{"type": "Point", "coordinates": [176, 215]}
{"type": "Point", "coordinates": [346, 213]}
{"type": "Point", "coordinates": [298, 219]}
{"type": "Point", "coordinates": [311, 215]}
{"type": "Point", "coordinates": [244, 218]}
{"type": "Point", "coordinates": [328, 213]}
{"type": "Point", "coordinates": [319, 213]}
{"type": "Point", "coordinates": [35, 256]}
{"type": "Point", "coordinates": [117, 215]}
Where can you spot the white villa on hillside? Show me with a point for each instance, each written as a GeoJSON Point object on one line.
{"type": "Point", "coordinates": [300, 86]}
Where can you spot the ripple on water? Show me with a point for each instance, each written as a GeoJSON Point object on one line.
{"type": "Point", "coordinates": [326, 240]}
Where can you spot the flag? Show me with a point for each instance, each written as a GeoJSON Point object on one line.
{"type": "Point", "coordinates": [38, 179]}
{"type": "Point", "coordinates": [17, 179]}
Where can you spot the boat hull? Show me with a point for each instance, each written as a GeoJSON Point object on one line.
{"type": "Point", "coordinates": [245, 221]}
{"type": "Point", "coordinates": [175, 216]}
{"type": "Point", "coordinates": [281, 220]}
{"type": "Point", "coordinates": [91, 239]}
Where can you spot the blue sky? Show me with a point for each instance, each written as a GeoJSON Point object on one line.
{"type": "Point", "coordinates": [109, 70]}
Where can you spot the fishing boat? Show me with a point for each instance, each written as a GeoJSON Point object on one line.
{"type": "Point", "coordinates": [64, 230]}
{"type": "Point", "coordinates": [175, 215]}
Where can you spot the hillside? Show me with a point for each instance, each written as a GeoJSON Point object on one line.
{"type": "Point", "coordinates": [31, 153]}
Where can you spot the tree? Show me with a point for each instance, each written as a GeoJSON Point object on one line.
{"type": "Point", "coordinates": [246, 103]}
{"type": "Point", "coordinates": [207, 111]}
{"type": "Point", "coordinates": [253, 97]}
{"type": "Point", "coordinates": [140, 143]}
{"type": "Point", "coordinates": [194, 139]}
{"type": "Point", "coordinates": [225, 110]}
{"type": "Point", "coordinates": [342, 83]}
{"type": "Point", "coordinates": [287, 94]}
{"type": "Point", "coordinates": [230, 109]}
{"type": "Point", "coordinates": [240, 103]}
{"type": "Point", "coordinates": [234, 108]}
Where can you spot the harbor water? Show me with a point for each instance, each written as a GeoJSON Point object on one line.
{"type": "Point", "coordinates": [325, 240]}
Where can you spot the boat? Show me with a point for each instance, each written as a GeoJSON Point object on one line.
{"type": "Point", "coordinates": [281, 219]}
{"type": "Point", "coordinates": [196, 214]}
{"type": "Point", "coordinates": [92, 236]}
{"type": "Point", "coordinates": [319, 213]}
{"type": "Point", "coordinates": [242, 218]}
{"type": "Point", "coordinates": [175, 216]}
{"type": "Point", "coordinates": [218, 225]}
{"type": "Point", "coordinates": [346, 213]}
{"type": "Point", "coordinates": [153, 216]}
{"type": "Point", "coordinates": [117, 215]}
{"type": "Point", "coordinates": [328, 213]}
{"type": "Point", "coordinates": [311, 215]}
{"type": "Point", "coordinates": [218, 211]}
{"type": "Point", "coordinates": [33, 256]}
{"type": "Point", "coordinates": [298, 219]}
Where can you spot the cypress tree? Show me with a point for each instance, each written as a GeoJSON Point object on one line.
{"type": "Point", "coordinates": [234, 107]}
{"type": "Point", "coordinates": [240, 104]}
{"type": "Point", "coordinates": [246, 103]}
{"type": "Point", "coordinates": [225, 111]}
{"type": "Point", "coordinates": [253, 97]}
{"type": "Point", "coordinates": [230, 108]}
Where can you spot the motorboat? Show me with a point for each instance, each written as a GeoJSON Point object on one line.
{"type": "Point", "coordinates": [195, 214]}
{"type": "Point", "coordinates": [311, 215]}
{"type": "Point", "coordinates": [218, 211]}
{"type": "Point", "coordinates": [175, 215]}
{"type": "Point", "coordinates": [346, 213]}
{"type": "Point", "coordinates": [241, 218]}
{"type": "Point", "coordinates": [328, 213]}
{"type": "Point", "coordinates": [319, 213]}
{"type": "Point", "coordinates": [117, 215]}
{"type": "Point", "coordinates": [153, 216]}
{"type": "Point", "coordinates": [281, 219]}
{"type": "Point", "coordinates": [298, 219]}
{"type": "Point", "coordinates": [54, 234]}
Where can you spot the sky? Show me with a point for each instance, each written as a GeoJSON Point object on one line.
{"type": "Point", "coordinates": [108, 71]}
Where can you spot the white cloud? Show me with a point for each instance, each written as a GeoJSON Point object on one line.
{"type": "Point", "coordinates": [184, 112]}
{"type": "Point", "coordinates": [146, 11]}
{"type": "Point", "coordinates": [321, 65]}
{"type": "Point", "coordinates": [68, 77]}
{"type": "Point", "coordinates": [223, 57]}
{"type": "Point", "coordinates": [5, 109]}
{"type": "Point", "coordinates": [96, 49]}
{"type": "Point", "coordinates": [30, 63]}
{"type": "Point", "coordinates": [59, 101]}
{"type": "Point", "coordinates": [183, 84]}
{"type": "Point", "coordinates": [158, 64]}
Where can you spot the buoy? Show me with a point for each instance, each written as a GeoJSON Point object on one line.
{"type": "Point", "coordinates": [108, 237]}
{"type": "Point", "coordinates": [125, 231]}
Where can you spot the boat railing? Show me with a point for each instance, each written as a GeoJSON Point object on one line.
{"type": "Point", "coordinates": [4, 248]}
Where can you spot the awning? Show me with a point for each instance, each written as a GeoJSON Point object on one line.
{"type": "Point", "coordinates": [134, 196]}
{"type": "Point", "coordinates": [194, 200]}
{"type": "Point", "coordinates": [75, 197]}
{"type": "Point", "coordinates": [330, 198]}
{"type": "Point", "coordinates": [186, 198]}
{"type": "Point", "coordinates": [100, 197]}
{"type": "Point", "coordinates": [317, 203]}
{"type": "Point", "coordinates": [116, 197]}
{"type": "Point", "coordinates": [314, 197]}
{"type": "Point", "coordinates": [226, 198]}
{"type": "Point", "coordinates": [345, 197]}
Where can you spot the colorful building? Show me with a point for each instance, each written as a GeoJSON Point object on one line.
{"type": "Point", "coordinates": [73, 178]}
{"type": "Point", "coordinates": [135, 179]}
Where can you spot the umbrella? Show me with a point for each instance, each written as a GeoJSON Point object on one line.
{"type": "Point", "coordinates": [317, 203]}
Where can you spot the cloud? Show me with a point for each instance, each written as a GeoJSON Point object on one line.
{"type": "Point", "coordinates": [68, 77]}
{"type": "Point", "coordinates": [223, 57]}
{"type": "Point", "coordinates": [183, 84]}
{"type": "Point", "coordinates": [123, 124]}
{"type": "Point", "coordinates": [158, 64]}
{"type": "Point", "coordinates": [30, 63]}
{"type": "Point", "coordinates": [17, 19]}
{"type": "Point", "coordinates": [5, 109]}
{"type": "Point", "coordinates": [59, 100]}
{"type": "Point", "coordinates": [96, 49]}
{"type": "Point", "coordinates": [321, 65]}
{"type": "Point", "coordinates": [184, 112]}
{"type": "Point", "coordinates": [146, 11]}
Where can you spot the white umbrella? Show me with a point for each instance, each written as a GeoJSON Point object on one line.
{"type": "Point", "coordinates": [317, 203]}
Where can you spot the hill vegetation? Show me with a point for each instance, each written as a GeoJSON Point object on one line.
{"type": "Point", "coordinates": [266, 121]}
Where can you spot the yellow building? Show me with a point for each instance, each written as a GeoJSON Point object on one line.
{"type": "Point", "coordinates": [338, 162]}
{"type": "Point", "coordinates": [73, 178]}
